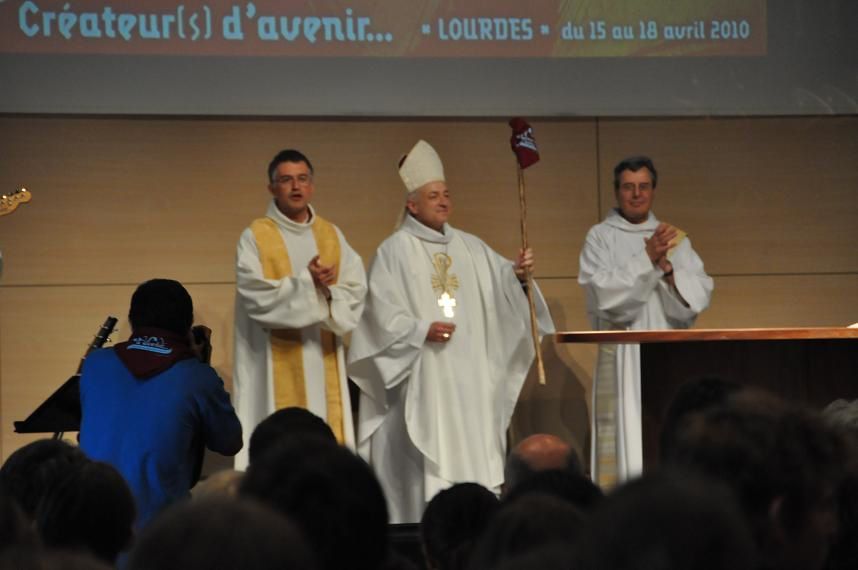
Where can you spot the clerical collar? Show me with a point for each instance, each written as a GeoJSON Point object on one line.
{"type": "Point", "coordinates": [616, 219]}
{"type": "Point", "coordinates": [290, 225]}
{"type": "Point", "coordinates": [420, 231]}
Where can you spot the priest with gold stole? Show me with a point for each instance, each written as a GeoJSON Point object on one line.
{"type": "Point", "coordinates": [441, 351]}
{"type": "Point", "coordinates": [300, 288]}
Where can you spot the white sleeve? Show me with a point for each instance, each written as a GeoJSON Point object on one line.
{"type": "Point", "coordinates": [616, 293]}
{"type": "Point", "coordinates": [692, 283]}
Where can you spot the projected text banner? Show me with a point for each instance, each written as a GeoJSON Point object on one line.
{"type": "Point", "coordinates": [403, 28]}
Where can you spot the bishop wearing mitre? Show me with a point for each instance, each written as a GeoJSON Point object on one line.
{"type": "Point", "coordinates": [442, 349]}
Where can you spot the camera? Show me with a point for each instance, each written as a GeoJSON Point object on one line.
{"type": "Point", "coordinates": [202, 338]}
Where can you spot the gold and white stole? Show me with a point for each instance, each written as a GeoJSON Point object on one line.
{"type": "Point", "coordinates": [606, 410]}
{"type": "Point", "coordinates": [286, 344]}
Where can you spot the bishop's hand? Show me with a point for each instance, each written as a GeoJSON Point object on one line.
{"type": "Point", "coordinates": [440, 331]}
{"type": "Point", "coordinates": [523, 264]}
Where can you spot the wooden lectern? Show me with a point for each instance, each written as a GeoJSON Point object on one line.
{"type": "Point", "coordinates": [811, 365]}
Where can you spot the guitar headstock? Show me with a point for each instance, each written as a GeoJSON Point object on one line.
{"type": "Point", "coordinates": [101, 337]}
{"type": "Point", "coordinates": [103, 334]}
{"type": "Point", "coordinates": [8, 202]}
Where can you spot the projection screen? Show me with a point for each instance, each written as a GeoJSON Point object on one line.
{"type": "Point", "coordinates": [433, 58]}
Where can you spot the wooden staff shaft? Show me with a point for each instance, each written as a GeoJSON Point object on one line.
{"type": "Point", "coordinates": [534, 329]}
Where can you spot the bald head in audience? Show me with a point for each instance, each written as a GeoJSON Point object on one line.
{"type": "Point", "coordinates": [539, 452]}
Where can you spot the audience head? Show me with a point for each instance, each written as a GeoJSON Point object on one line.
{"type": "Point", "coordinates": [15, 529]}
{"type": "Point", "coordinates": [287, 424]}
{"type": "Point", "coordinates": [784, 466]}
{"type": "Point", "coordinates": [43, 559]}
{"type": "Point", "coordinates": [555, 556]}
{"type": "Point", "coordinates": [90, 509]}
{"type": "Point", "coordinates": [32, 470]}
{"type": "Point", "coordinates": [843, 416]}
{"type": "Point", "coordinates": [574, 488]}
{"type": "Point", "coordinates": [163, 304]}
{"type": "Point", "coordinates": [220, 534]}
{"type": "Point", "coordinates": [692, 397]}
{"type": "Point", "coordinates": [525, 525]}
{"type": "Point", "coordinates": [452, 522]}
{"type": "Point", "coordinates": [669, 521]}
{"type": "Point", "coordinates": [539, 452]}
{"type": "Point", "coordinates": [331, 494]}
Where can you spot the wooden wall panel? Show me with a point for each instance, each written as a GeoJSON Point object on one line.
{"type": "Point", "coordinates": [120, 200]}
{"type": "Point", "coordinates": [756, 195]}
{"type": "Point", "coordinates": [782, 301]}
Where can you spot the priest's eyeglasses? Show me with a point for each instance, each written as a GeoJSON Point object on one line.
{"type": "Point", "coordinates": [300, 180]}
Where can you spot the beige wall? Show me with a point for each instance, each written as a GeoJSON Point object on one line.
{"type": "Point", "coordinates": [770, 205]}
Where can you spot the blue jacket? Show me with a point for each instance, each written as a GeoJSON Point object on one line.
{"type": "Point", "coordinates": [152, 430]}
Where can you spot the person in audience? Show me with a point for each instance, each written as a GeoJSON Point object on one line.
{"type": "Point", "coordinates": [300, 288]}
{"type": "Point", "coordinates": [442, 349]}
{"type": "Point", "coordinates": [89, 509]}
{"type": "Point", "coordinates": [452, 523]}
{"type": "Point", "coordinates": [783, 464]}
{"type": "Point", "coordinates": [668, 521]}
{"type": "Point", "coordinates": [15, 529]}
{"type": "Point", "coordinates": [284, 424]}
{"type": "Point", "coordinates": [331, 494]}
{"type": "Point", "coordinates": [29, 478]}
{"type": "Point", "coordinates": [527, 524]}
{"type": "Point", "coordinates": [538, 452]}
{"type": "Point", "coordinates": [637, 273]}
{"type": "Point", "coordinates": [842, 415]}
{"type": "Point", "coordinates": [694, 396]}
{"type": "Point", "coordinates": [221, 534]}
{"type": "Point", "coordinates": [554, 556]}
{"type": "Point", "coordinates": [38, 558]}
{"type": "Point", "coordinates": [31, 470]}
{"type": "Point", "coordinates": [575, 488]}
{"type": "Point", "coordinates": [22, 557]}
{"type": "Point", "coordinates": [71, 560]}
{"type": "Point", "coordinates": [150, 405]}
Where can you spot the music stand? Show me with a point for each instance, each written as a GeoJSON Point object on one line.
{"type": "Point", "coordinates": [59, 413]}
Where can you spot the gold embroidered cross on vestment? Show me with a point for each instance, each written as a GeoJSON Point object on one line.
{"type": "Point", "coordinates": [444, 283]}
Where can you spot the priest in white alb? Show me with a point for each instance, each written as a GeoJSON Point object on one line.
{"type": "Point", "coordinates": [441, 351]}
{"type": "Point", "coordinates": [638, 273]}
{"type": "Point", "coordinates": [299, 288]}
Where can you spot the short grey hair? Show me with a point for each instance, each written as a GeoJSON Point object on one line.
{"type": "Point", "coordinates": [842, 414]}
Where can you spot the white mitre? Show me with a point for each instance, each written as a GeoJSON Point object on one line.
{"type": "Point", "coordinates": [420, 166]}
